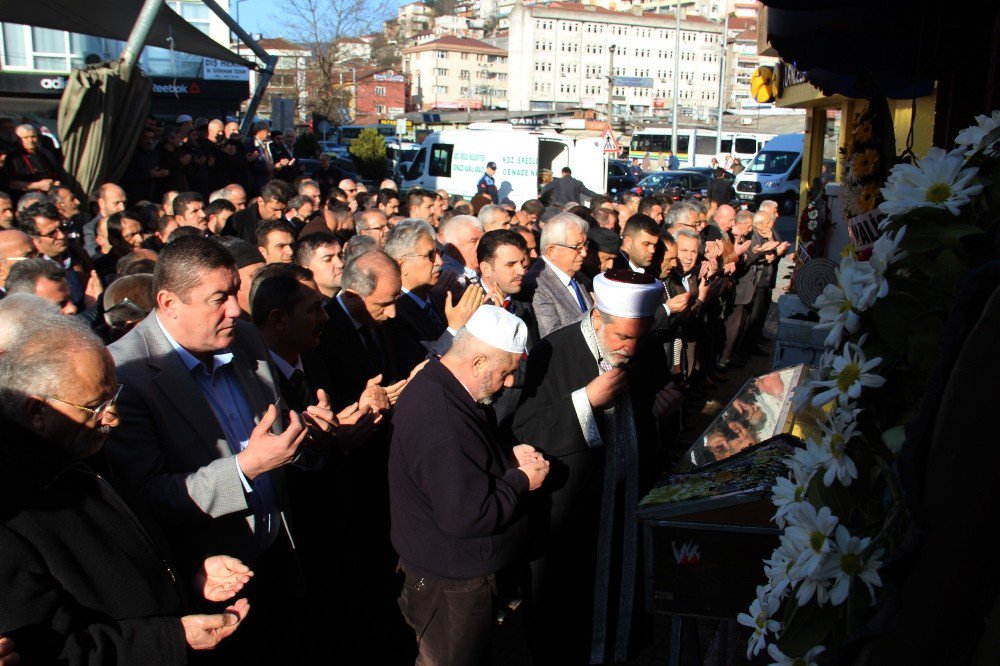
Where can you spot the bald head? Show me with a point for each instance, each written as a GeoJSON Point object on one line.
{"type": "Point", "coordinates": [14, 246]}
{"type": "Point", "coordinates": [110, 199]}
{"type": "Point", "coordinates": [725, 215]}
{"type": "Point", "coordinates": [373, 223]}
{"type": "Point", "coordinates": [349, 188]}
{"type": "Point", "coordinates": [371, 281]}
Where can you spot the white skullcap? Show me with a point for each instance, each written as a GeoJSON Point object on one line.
{"type": "Point", "coordinates": [499, 328]}
{"type": "Point", "coordinates": [622, 293]}
{"type": "Point", "coordinates": [184, 118]}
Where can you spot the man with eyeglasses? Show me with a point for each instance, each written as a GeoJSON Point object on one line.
{"type": "Point", "coordinates": [373, 223]}
{"type": "Point", "coordinates": [15, 246]}
{"type": "Point", "coordinates": [558, 298]}
{"type": "Point", "coordinates": [49, 234]}
{"type": "Point", "coordinates": [419, 329]}
{"type": "Point", "coordinates": [86, 581]}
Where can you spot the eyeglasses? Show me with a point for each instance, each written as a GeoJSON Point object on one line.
{"type": "Point", "coordinates": [378, 228]}
{"type": "Point", "coordinates": [129, 304]}
{"type": "Point", "coordinates": [63, 229]}
{"type": "Point", "coordinates": [430, 256]}
{"type": "Point", "coordinates": [578, 248]}
{"type": "Point", "coordinates": [99, 412]}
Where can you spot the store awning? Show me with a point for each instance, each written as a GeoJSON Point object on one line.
{"type": "Point", "coordinates": [114, 19]}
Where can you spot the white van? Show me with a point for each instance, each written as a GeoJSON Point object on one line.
{"type": "Point", "coordinates": [455, 160]}
{"type": "Point", "coordinates": [776, 173]}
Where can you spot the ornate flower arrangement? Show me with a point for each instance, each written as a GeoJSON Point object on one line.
{"type": "Point", "coordinates": [814, 223]}
{"type": "Point", "coordinates": [864, 170]}
{"type": "Point", "coordinates": [840, 508]}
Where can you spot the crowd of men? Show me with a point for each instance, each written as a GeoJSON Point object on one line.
{"type": "Point", "coordinates": [357, 422]}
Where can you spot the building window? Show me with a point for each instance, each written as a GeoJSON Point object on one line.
{"type": "Point", "coordinates": [441, 71]}
{"type": "Point", "coordinates": [441, 90]}
{"type": "Point", "coordinates": [380, 109]}
{"type": "Point", "coordinates": [442, 54]}
{"type": "Point", "coordinates": [196, 13]}
{"type": "Point", "coordinates": [380, 91]}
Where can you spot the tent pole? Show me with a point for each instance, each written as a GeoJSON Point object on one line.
{"type": "Point", "coordinates": [257, 49]}
{"type": "Point", "coordinates": [140, 32]}
{"type": "Point", "coordinates": [258, 93]}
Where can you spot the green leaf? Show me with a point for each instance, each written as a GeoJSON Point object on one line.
{"type": "Point", "coordinates": [894, 317]}
{"type": "Point", "coordinates": [952, 234]}
{"type": "Point", "coordinates": [950, 266]}
{"type": "Point", "coordinates": [925, 343]}
{"type": "Point", "coordinates": [807, 628]}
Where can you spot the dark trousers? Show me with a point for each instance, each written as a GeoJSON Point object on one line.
{"type": "Point", "coordinates": [734, 324]}
{"type": "Point", "coordinates": [453, 619]}
{"type": "Point", "coordinates": [754, 327]}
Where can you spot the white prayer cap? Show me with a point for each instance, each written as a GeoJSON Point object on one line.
{"type": "Point", "coordinates": [498, 328]}
{"type": "Point", "coordinates": [623, 293]}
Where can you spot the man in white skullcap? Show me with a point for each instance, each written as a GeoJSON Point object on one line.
{"type": "Point", "coordinates": [456, 492]}
{"type": "Point", "coordinates": [595, 403]}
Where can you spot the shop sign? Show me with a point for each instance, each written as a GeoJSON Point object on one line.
{"type": "Point", "coordinates": [31, 84]}
{"type": "Point", "coordinates": [220, 70]}
{"type": "Point", "coordinates": [632, 82]}
{"type": "Point", "coordinates": [789, 76]}
{"type": "Point", "coordinates": [536, 121]}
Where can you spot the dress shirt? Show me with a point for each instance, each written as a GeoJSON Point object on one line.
{"type": "Point", "coordinates": [283, 365]}
{"type": "Point", "coordinates": [225, 396]}
{"type": "Point", "coordinates": [565, 279]}
{"type": "Point", "coordinates": [464, 273]}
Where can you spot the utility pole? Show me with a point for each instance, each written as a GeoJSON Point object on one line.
{"type": "Point", "coordinates": [722, 85]}
{"type": "Point", "coordinates": [611, 82]}
{"type": "Point", "coordinates": [677, 77]}
{"type": "Point", "coordinates": [354, 96]}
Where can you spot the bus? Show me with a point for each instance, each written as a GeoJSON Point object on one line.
{"type": "Point", "coordinates": [696, 147]}
{"type": "Point", "coordinates": [348, 133]}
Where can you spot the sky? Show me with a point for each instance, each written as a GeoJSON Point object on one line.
{"type": "Point", "coordinates": [260, 16]}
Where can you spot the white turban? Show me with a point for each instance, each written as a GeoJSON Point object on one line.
{"type": "Point", "coordinates": [622, 293]}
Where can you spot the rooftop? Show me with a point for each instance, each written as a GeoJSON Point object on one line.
{"type": "Point", "coordinates": [452, 43]}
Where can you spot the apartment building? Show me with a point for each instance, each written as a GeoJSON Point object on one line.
{"type": "Point", "coordinates": [456, 73]}
{"type": "Point", "coordinates": [561, 58]}
{"type": "Point", "coordinates": [742, 63]}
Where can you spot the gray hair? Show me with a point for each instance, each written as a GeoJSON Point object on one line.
{"type": "Point", "coordinates": [489, 211]}
{"type": "Point", "coordinates": [358, 246]}
{"type": "Point", "coordinates": [679, 212]}
{"type": "Point", "coordinates": [216, 195]}
{"type": "Point", "coordinates": [741, 217]}
{"type": "Point", "coordinates": [361, 272]}
{"type": "Point", "coordinates": [37, 361]}
{"type": "Point", "coordinates": [760, 217]}
{"type": "Point", "coordinates": [686, 233]}
{"type": "Point", "coordinates": [31, 198]}
{"type": "Point", "coordinates": [403, 238]}
{"type": "Point", "coordinates": [25, 275]}
{"type": "Point", "coordinates": [19, 314]}
{"type": "Point", "coordinates": [554, 232]}
{"type": "Point", "coordinates": [770, 204]}
{"type": "Point", "coordinates": [449, 228]}
{"type": "Point", "coordinates": [306, 182]}
{"type": "Point", "coordinates": [27, 127]}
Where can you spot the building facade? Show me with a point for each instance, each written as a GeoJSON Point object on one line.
{"type": "Point", "coordinates": [456, 73]}
{"type": "Point", "coordinates": [561, 58]}
{"type": "Point", "coordinates": [742, 63]}
{"type": "Point", "coordinates": [290, 79]}
{"type": "Point", "coordinates": [35, 61]}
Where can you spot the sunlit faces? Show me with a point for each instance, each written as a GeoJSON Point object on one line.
{"type": "Point", "coordinates": [529, 238]}
{"type": "Point", "coordinates": [55, 291]}
{"type": "Point", "coordinates": [271, 209]}
{"type": "Point", "coordinates": [618, 338]}
{"type": "Point", "coordinates": [278, 247]}
{"type": "Point", "coordinates": [568, 256]}
{"type": "Point", "coordinates": [640, 248]}
{"type": "Point", "coordinates": [669, 260]}
{"type": "Point", "coordinates": [381, 303]}
{"type": "Point", "coordinates": [6, 213]}
{"type": "Point", "coordinates": [421, 268]}
{"type": "Point", "coordinates": [493, 374]}
{"type": "Point", "coordinates": [506, 270]}
{"type": "Point", "coordinates": [687, 253]}
{"type": "Point", "coordinates": [467, 237]}
{"type": "Point", "coordinates": [132, 232]}
{"type": "Point", "coordinates": [194, 216]}
{"type": "Point", "coordinates": [204, 321]}
{"type": "Point", "coordinates": [50, 238]}
{"type": "Point", "coordinates": [111, 201]}
{"type": "Point", "coordinates": [327, 265]}
{"type": "Point", "coordinates": [424, 210]}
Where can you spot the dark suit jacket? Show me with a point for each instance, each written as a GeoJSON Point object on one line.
{"type": "Point", "coordinates": [170, 448]}
{"type": "Point", "coordinates": [553, 305]}
{"type": "Point", "coordinates": [346, 360]}
{"type": "Point", "coordinates": [417, 336]}
{"type": "Point", "coordinates": [243, 224]}
{"type": "Point", "coordinates": [83, 581]}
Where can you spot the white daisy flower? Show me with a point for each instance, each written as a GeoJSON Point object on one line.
{"type": "Point", "coordinates": [839, 429]}
{"type": "Point", "coordinates": [973, 138]}
{"type": "Point", "coordinates": [847, 563]}
{"type": "Point", "coordinates": [759, 619]}
{"type": "Point", "coordinates": [785, 494]}
{"type": "Point", "coordinates": [816, 585]}
{"type": "Point", "coordinates": [885, 252]}
{"type": "Point", "coordinates": [809, 530]}
{"type": "Point", "coordinates": [807, 461]}
{"type": "Point", "coordinates": [840, 304]}
{"type": "Point", "coordinates": [779, 568]}
{"type": "Point", "coordinates": [939, 180]}
{"type": "Point", "coordinates": [812, 224]}
{"type": "Point", "coordinates": [849, 375]}
{"type": "Point", "coordinates": [781, 659]}
{"type": "Point", "coordinates": [812, 214]}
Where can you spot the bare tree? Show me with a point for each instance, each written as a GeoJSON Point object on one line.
{"type": "Point", "coordinates": [321, 26]}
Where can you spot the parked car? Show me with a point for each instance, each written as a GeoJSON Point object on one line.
{"type": "Point", "coordinates": [334, 149]}
{"type": "Point", "coordinates": [678, 185]}
{"type": "Point", "coordinates": [620, 179]}
{"type": "Point", "coordinates": [709, 172]}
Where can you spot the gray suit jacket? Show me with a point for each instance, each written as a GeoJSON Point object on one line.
{"type": "Point", "coordinates": [170, 448]}
{"type": "Point", "coordinates": [554, 306]}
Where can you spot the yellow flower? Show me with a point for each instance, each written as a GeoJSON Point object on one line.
{"type": "Point", "coordinates": [863, 132]}
{"type": "Point", "coordinates": [865, 163]}
{"type": "Point", "coordinates": [868, 198]}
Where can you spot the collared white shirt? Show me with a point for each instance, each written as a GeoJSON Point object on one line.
{"type": "Point", "coordinates": [283, 367]}
{"type": "Point", "coordinates": [565, 279]}
{"type": "Point", "coordinates": [357, 324]}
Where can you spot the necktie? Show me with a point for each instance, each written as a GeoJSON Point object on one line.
{"type": "Point", "coordinates": [507, 304]}
{"type": "Point", "coordinates": [579, 295]}
{"type": "Point", "coordinates": [299, 389]}
{"type": "Point", "coordinates": [371, 344]}
{"type": "Point", "coordinates": [431, 314]}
